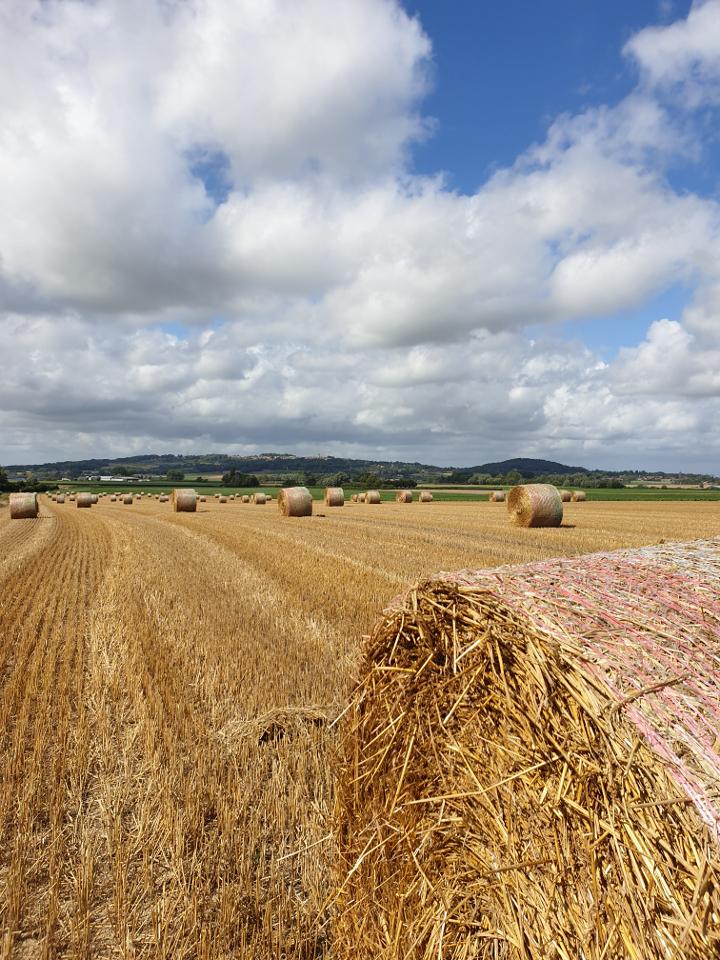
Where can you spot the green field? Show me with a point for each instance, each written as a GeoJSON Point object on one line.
{"type": "Point", "coordinates": [465, 494]}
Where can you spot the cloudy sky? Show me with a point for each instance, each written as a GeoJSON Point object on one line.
{"type": "Point", "coordinates": [452, 232]}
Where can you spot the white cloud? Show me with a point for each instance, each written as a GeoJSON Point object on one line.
{"type": "Point", "coordinates": [333, 299]}
{"type": "Point", "coordinates": [684, 57]}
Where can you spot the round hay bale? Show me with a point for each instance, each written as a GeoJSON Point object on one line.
{"type": "Point", "coordinates": [545, 735]}
{"type": "Point", "coordinates": [202, 499]}
{"type": "Point", "coordinates": [217, 496]}
{"type": "Point", "coordinates": [94, 497]}
{"type": "Point", "coordinates": [60, 498]}
{"type": "Point", "coordinates": [295, 502]}
{"type": "Point", "coordinates": [113, 498]}
{"type": "Point", "coordinates": [497, 496]}
{"type": "Point", "coordinates": [354, 498]}
{"type": "Point", "coordinates": [565, 495]}
{"type": "Point", "coordinates": [84, 500]}
{"type": "Point", "coordinates": [164, 499]}
{"type": "Point", "coordinates": [222, 498]}
{"type": "Point", "coordinates": [334, 497]}
{"type": "Point", "coordinates": [361, 498]}
{"type": "Point", "coordinates": [404, 496]}
{"type": "Point", "coordinates": [579, 496]}
{"type": "Point", "coordinates": [24, 506]}
{"type": "Point", "coordinates": [426, 497]}
{"type": "Point", "coordinates": [372, 496]}
{"type": "Point", "coordinates": [535, 505]}
{"type": "Point", "coordinates": [246, 498]}
{"type": "Point", "coordinates": [259, 498]}
{"type": "Point", "coordinates": [184, 500]}
{"type": "Point", "coordinates": [71, 498]}
{"type": "Point", "coordinates": [268, 497]}
{"type": "Point", "coordinates": [128, 499]}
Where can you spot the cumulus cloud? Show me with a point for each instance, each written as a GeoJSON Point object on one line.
{"type": "Point", "coordinates": [683, 58]}
{"type": "Point", "coordinates": [211, 240]}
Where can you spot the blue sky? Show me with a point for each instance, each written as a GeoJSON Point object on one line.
{"type": "Point", "coordinates": [442, 231]}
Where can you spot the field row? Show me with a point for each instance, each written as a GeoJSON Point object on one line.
{"type": "Point", "coordinates": [167, 686]}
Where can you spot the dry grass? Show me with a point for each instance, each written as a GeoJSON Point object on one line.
{"type": "Point", "coordinates": [165, 764]}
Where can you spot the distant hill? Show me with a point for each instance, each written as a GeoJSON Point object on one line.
{"type": "Point", "coordinates": [278, 463]}
{"type": "Point", "coordinates": [528, 467]}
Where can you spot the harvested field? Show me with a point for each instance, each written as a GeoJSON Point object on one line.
{"type": "Point", "coordinates": [167, 681]}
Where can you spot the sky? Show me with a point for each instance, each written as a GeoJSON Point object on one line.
{"type": "Point", "coordinates": [448, 232]}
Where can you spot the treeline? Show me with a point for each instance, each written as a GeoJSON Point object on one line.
{"type": "Point", "coordinates": [32, 486]}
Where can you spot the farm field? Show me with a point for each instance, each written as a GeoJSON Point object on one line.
{"type": "Point", "coordinates": [456, 495]}
{"type": "Point", "coordinates": [167, 686]}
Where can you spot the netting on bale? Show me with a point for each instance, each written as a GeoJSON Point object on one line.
{"type": "Point", "coordinates": [530, 765]}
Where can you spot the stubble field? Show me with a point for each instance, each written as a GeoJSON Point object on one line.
{"type": "Point", "coordinates": [167, 686]}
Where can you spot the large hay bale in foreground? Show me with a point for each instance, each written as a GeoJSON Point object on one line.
{"type": "Point", "coordinates": [404, 496]}
{"type": "Point", "coordinates": [497, 496]}
{"type": "Point", "coordinates": [83, 500]}
{"type": "Point", "coordinates": [259, 498]}
{"type": "Point", "coordinates": [295, 502]}
{"type": "Point", "coordinates": [535, 505]}
{"type": "Point", "coordinates": [530, 765]}
{"type": "Point", "coordinates": [184, 500]}
{"type": "Point", "coordinates": [565, 496]}
{"type": "Point", "coordinates": [426, 497]}
{"type": "Point", "coordinates": [334, 497]}
{"type": "Point", "coordinates": [23, 506]}
{"type": "Point", "coordinates": [579, 496]}
{"type": "Point", "coordinates": [373, 496]}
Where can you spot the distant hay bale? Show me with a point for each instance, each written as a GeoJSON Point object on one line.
{"type": "Point", "coordinates": [24, 506]}
{"type": "Point", "coordinates": [202, 499]}
{"type": "Point", "coordinates": [565, 495]}
{"type": "Point", "coordinates": [60, 498]}
{"type": "Point", "coordinates": [246, 498]}
{"type": "Point", "coordinates": [217, 496]}
{"type": "Point", "coordinates": [426, 497]}
{"type": "Point", "coordinates": [164, 498]}
{"type": "Point", "coordinates": [71, 497]}
{"type": "Point", "coordinates": [361, 498]}
{"type": "Point", "coordinates": [268, 497]}
{"type": "Point", "coordinates": [404, 496]}
{"type": "Point", "coordinates": [113, 498]}
{"type": "Point", "coordinates": [128, 499]}
{"type": "Point", "coordinates": [497, 496]}
{"type": "Point", "coordinates": [372, 496]}
{"type": "Point", "coordinates": [259, 498]}
{"type": "Point", "coordinates": [184, 500]}
{"type": "Point", "coordinates": [535, 505]}
{"type": "Point", "coordinates": [334, 497]}
{"type": "Point", "coordinates": [295, 502]}
{"type": "Point", "coordinates": [94, 497]}
{"type": "Point", "coordinates": [354, 498]}
{"type": "Point", "coordinates": [529, 759]}
{"type": "Point", "coordinates": [222, 499]}
{"type": "Point", "coordinates": [579, 496]}
{"type": "Point", "coordinates": [83, 500]}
